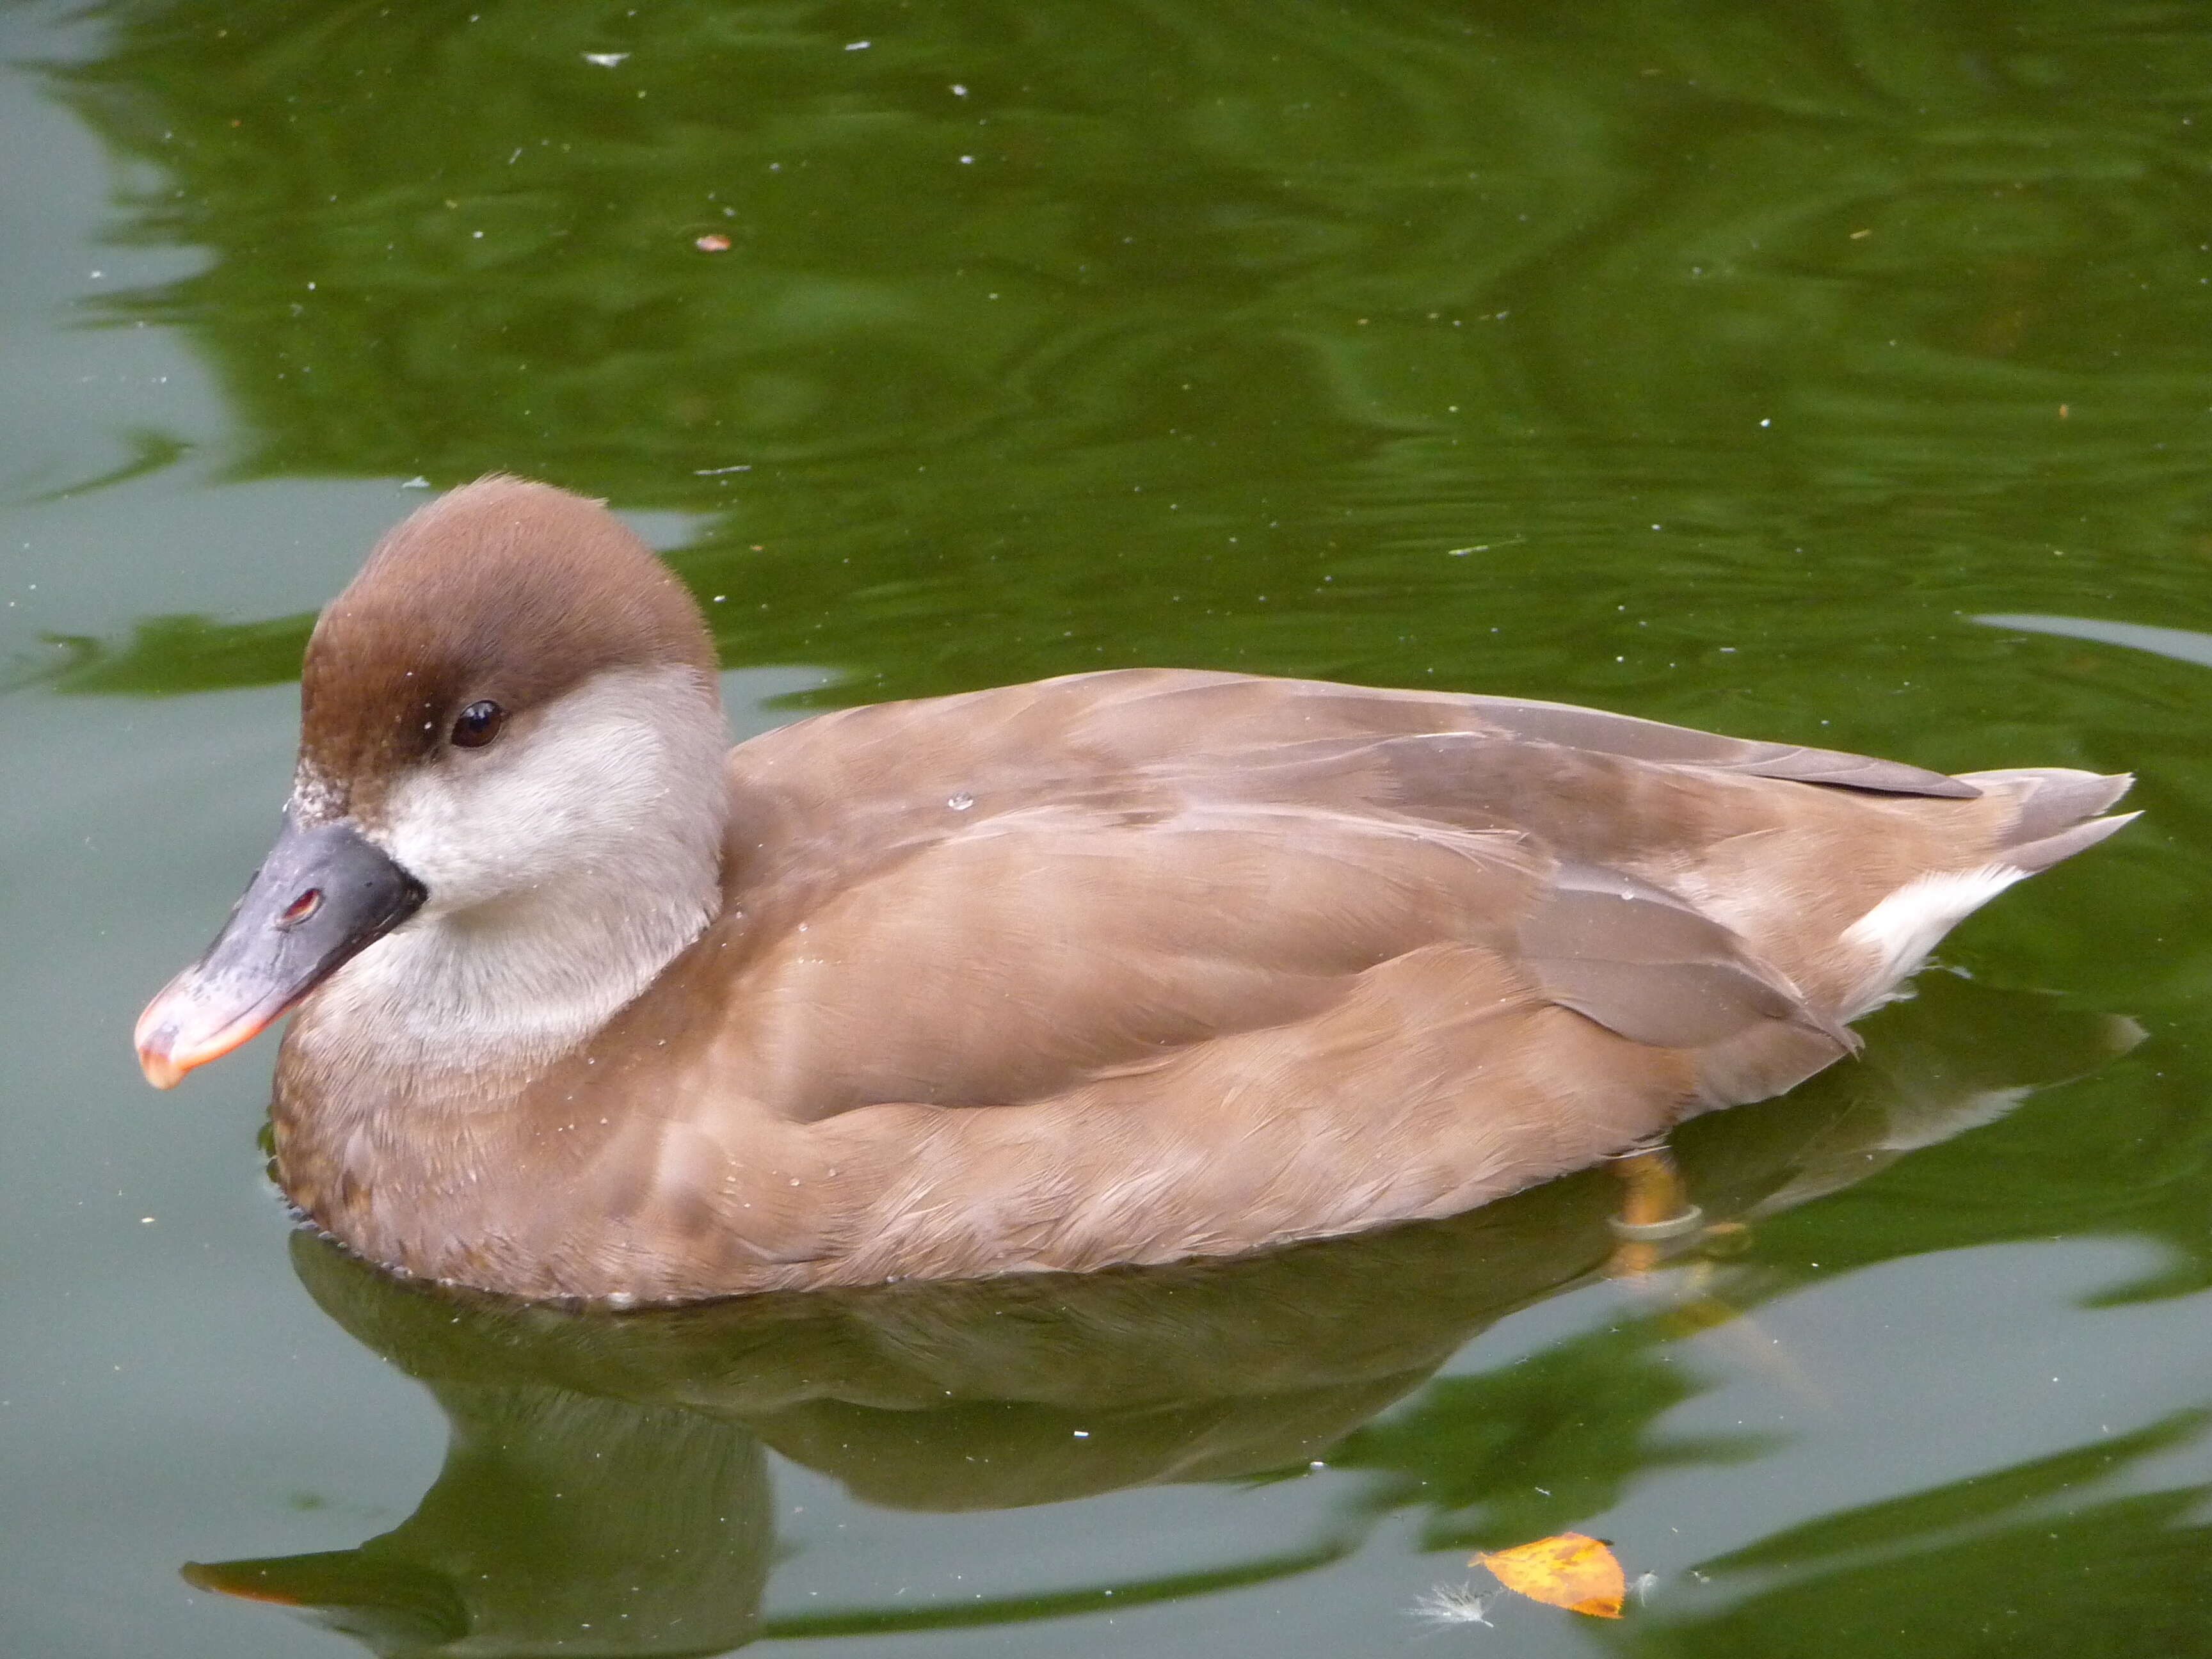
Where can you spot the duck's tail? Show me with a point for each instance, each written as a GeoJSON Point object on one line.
{"type": "Point", "coordinates": [2056, 814]}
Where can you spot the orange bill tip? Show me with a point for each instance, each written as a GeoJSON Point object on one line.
{"type": "Point", "coordinates": [168, 1044]}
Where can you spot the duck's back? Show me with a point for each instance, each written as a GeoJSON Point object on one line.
{"type": "Point", "coordinates": [989, 899]}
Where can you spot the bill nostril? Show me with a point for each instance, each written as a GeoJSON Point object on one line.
{"type": "Point", "coordinates": [301, 908]}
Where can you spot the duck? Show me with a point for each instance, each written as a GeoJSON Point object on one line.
{"type": "Point", "coordinates": [1115, 970]}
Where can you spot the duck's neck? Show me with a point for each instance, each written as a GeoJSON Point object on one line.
{"type": "Point", "coordinates": [499, 991]}
{"type": "Point", "coordinates": [397, 1092]}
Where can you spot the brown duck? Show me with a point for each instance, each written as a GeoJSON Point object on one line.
{"type": "Point", "coordinates": [1124, 967]}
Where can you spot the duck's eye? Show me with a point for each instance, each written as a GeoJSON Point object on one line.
{"type": "Point", "coordinates": [477, 724]}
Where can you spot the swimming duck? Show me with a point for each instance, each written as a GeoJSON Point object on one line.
{"type": "Point", "coordinates": [1125, 967]}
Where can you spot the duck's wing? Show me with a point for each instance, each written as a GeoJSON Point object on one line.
{"type": "Point", "coordinates": [1046, 945]}
{"type": "Point", "coordinates": [986, 898]}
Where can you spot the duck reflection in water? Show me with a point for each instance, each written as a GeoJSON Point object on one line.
{"type": "Point", "coordinates": [606, 1489]}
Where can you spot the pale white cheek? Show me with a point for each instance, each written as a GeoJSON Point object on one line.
{"type": "Point", "coordinates": [474, 831]}
{"type": "Point", "coordinates": [612, 782]}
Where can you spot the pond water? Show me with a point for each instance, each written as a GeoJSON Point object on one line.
{"type": "Point", "coordinates": [1840, 373]}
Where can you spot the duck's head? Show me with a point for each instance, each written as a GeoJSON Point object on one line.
{"type": "Point", "coordinates": [509, 726]}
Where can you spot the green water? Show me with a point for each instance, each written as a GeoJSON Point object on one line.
{"type": "Point", "coordinates": [1718, 362]}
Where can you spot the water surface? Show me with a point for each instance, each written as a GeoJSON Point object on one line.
{"type": "Point", "coordinates": [1818, 373]}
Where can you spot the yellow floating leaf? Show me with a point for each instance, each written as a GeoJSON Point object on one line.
{"type": "Point", "coordinates": [1570, 1570]}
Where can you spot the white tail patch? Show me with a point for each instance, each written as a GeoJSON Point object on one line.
{"type": "Point", "coordinates": [1904, 926]}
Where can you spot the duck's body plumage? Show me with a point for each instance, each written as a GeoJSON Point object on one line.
{"type": "Point", "coordinates": [1119, 968]}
